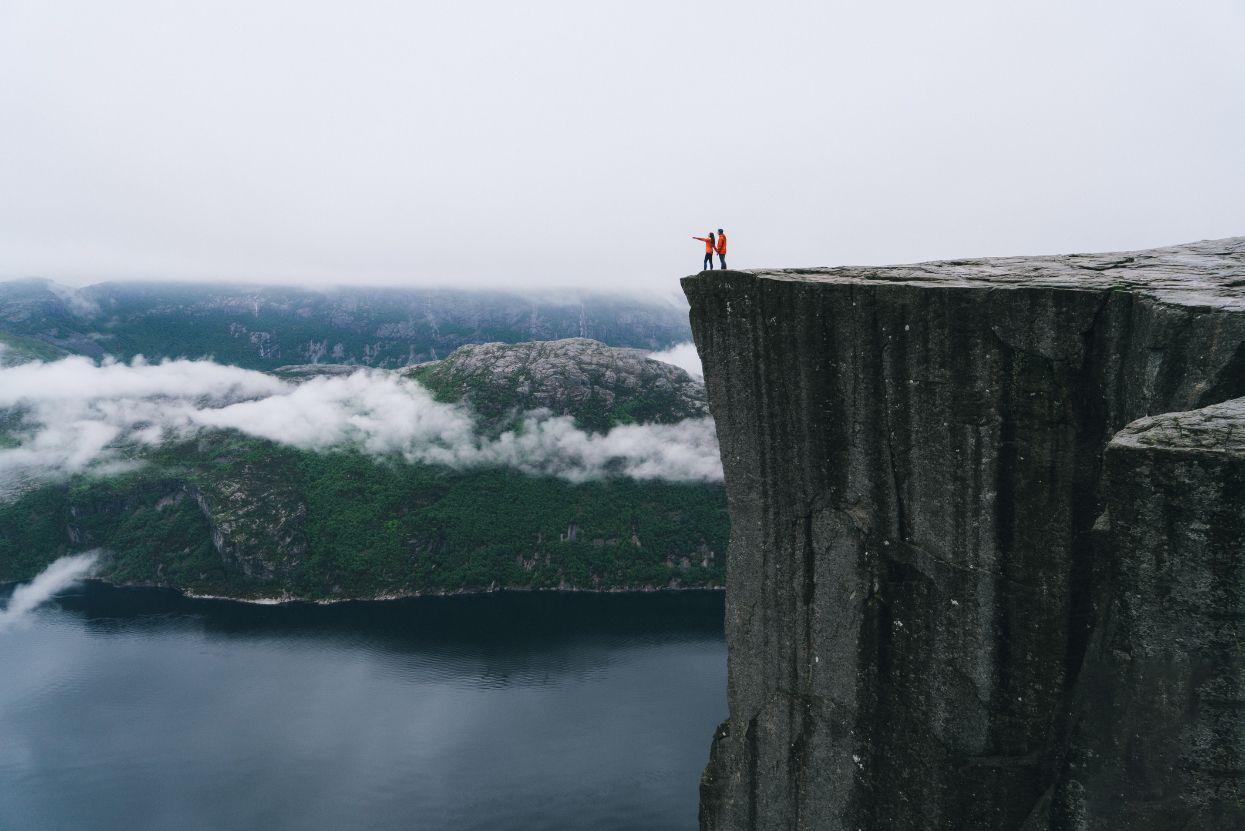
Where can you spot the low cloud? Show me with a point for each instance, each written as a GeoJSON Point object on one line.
{"type": "Point", "coordinates": [686, 451]}
{"type": "Point", "coordinates": [55, 578]}
{"type": "Point", "coordinates": [684, 356]}
{"type": "Point", "coordinates": [73, 414]}
{"type": "Point", "coordinates": [74, 300]}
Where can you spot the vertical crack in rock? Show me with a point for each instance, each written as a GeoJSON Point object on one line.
{"type": "Point", "coordinates": [1086, 501]}
{"type": "Point", "coordinates": [918, 603]}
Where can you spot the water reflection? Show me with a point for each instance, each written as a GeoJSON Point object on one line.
{"type": "Point", "coordinates": [141, 709]}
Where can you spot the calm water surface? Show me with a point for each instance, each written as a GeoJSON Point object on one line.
{"type": "Point", "coordinates": [136, 709]}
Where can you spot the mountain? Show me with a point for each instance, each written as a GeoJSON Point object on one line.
{"type": "Point", "coordinates": [264, 327]}
{"type": "Point", "coordinates": [223, 513]}
{"type": "Point", "coordinates": [598, 385]}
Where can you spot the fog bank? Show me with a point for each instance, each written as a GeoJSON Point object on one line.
{"type": "Point", "coordinates": [55, 578]}
{"type": "Point", "coordinates": [73, 415]}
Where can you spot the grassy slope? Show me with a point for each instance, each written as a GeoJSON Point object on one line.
{"type": "Point", "coordinates": [16, 348]}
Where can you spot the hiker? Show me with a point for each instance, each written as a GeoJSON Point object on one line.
{"type": "Point", "coordinates": [709, 246]}
{"type": "Point", "coordinates": [721, 247]}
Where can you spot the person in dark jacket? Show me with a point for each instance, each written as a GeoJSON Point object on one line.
{"type": "Point", "coordinates": [709, 248]}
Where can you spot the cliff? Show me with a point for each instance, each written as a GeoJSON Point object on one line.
{"type": "Point", "coordinates": [926, 590]}
{"type": "Point", "coordinates": [1159, 738]}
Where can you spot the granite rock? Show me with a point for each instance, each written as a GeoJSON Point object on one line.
{"type": "Point", "coordinates": [914, 462]}
{"type": "Point", "coordinates": [600, 385]}
{"type": "Point", "coordinates": [1158, 738]}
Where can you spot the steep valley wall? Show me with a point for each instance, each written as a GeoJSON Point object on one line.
{"type": "Point", "coordinates": [933, 619]}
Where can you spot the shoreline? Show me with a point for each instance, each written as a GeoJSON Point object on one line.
{"type": "Point", "coordinates": [292, 600]}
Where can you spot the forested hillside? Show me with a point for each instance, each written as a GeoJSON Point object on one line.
{"type": "Point", "coordinates": [230, 511]}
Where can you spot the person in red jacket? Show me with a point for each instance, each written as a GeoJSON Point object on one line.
{"type": "Point", "coordinates": [721, 248]}
{"type": "Point", "coordinates": [709, 246]}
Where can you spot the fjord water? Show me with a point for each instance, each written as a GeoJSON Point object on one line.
{"type": "Point", "coordinates": [136, 709]}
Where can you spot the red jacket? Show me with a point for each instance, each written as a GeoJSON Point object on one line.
{"type": "Point", "coordinates": [708, 244]}
{"type": "Point", "coordinates": [722, 244]}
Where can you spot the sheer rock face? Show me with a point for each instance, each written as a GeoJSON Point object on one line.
{"type": "Point", "coordinates": [1159, 733]}
{"type": "Point", "coordinates": [914, 464]}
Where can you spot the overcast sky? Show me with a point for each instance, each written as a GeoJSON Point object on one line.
{"type": "Point", "coordinates": [579, 143]}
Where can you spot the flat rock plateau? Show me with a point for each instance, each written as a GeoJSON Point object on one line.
{"type": "Point", "coordinates": [987, 565]}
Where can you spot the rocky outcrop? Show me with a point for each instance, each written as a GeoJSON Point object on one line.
{"type": "Point", "coordinates": [257, 523]}
{"type": "Point", "coordinates": [304, 372]}
{"type": "Point", "coordinates": [1159, 733]}
{"type": "Point", "coordinates": [597, 384]}
{"type": "Point", "coordinates": [914, 465]}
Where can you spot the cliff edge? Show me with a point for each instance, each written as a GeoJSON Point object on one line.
{"type": "Point", "coordinates": [949, 605]}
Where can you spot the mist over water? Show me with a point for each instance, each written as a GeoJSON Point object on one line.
{"type": "Point", "coordinates": [74, 414]}
{"type": "Point", "coordinates": [57, 577]}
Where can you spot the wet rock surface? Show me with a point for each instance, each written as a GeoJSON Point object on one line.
{"type": "Point", "coordinates": [918, 600]}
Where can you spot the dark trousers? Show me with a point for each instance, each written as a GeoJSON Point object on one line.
{"type": "Point", "coordinates": [709, 262]}
{"type": "Point", "coordinates": [722, 259]}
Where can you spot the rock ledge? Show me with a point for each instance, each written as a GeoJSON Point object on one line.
{"type": "Point", "coordinates": [934, 558]}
